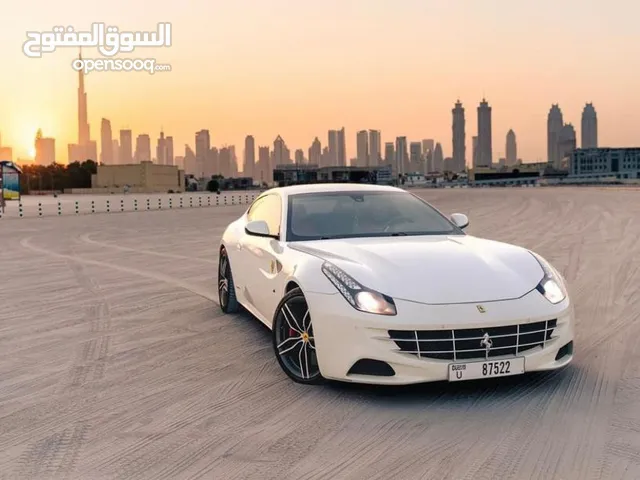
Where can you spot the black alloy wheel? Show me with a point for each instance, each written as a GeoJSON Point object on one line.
{"type": "Point", "coordinates": [293, 339]}
{"type": "Point", "coordinates": [226, 287]}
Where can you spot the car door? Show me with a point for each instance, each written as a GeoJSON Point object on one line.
{"type": "Point", "coordinates": [262, 254]}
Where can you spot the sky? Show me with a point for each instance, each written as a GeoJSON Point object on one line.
{"type": "Point", "coordinates": [299, 68]}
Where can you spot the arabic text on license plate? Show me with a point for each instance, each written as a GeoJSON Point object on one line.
{"type": "Point", "coordinates": [487, 369]}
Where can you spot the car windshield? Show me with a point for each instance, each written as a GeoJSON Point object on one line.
{"type": "Point", "coordinates": [316, 216]}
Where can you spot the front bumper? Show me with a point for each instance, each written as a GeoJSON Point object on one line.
{"type": "Point", "coordinates": [344, 336]}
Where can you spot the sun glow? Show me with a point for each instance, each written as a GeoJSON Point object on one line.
{"type": "Point", "coordinates": [32, 152]}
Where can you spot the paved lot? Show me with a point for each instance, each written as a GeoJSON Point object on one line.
{"type": "Point", "coordinates": [116, 363]}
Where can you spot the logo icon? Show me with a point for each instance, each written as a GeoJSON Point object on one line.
{"type": "Point", "coordinates": [487, 343]}
{"type": "Point", "coordinates": [481, 309]}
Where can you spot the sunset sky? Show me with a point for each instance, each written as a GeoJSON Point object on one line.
{"type": "Point", "coordinates": [298, 68]}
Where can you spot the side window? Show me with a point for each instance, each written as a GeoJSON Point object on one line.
{"type": "Point", "coordinates": [269, 209]}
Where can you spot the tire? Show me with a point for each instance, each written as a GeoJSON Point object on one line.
{"type": "Point", "coordinates": [293, 342]}
{"type": "Point", "coordinates": [226, 287]}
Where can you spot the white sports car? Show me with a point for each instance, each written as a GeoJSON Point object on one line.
{"type": "Point", "coordinates": [371, 284]}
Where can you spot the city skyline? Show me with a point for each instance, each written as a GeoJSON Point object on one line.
{"type": "Point", "coordinates": [300, 79]}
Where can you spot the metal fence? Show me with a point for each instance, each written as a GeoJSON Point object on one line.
{"type": "Point", "coordinates": [38, 207]}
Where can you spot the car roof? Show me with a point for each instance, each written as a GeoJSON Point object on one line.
{"type": "Point", "coordinates": [331, 187]}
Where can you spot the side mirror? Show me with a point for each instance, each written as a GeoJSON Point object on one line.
{"type": "Point", "coordinates": [460, 220]}
{"type": "Point", "coordinates": [258, 228]}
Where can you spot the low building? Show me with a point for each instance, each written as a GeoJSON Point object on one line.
{"type": "Point", "coordinates": [518, 175]}
{"type": "Point", "coordinates": [621, 163]}
{"type": "Point", "coordinates": [309, 173]}
{"type": "Point", "coordinates": [144, 177]}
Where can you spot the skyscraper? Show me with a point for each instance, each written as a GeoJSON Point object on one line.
{"type": "Point", "coordinates": [332, 142]}
{"type": "Point", "coordinates": [115, 150]}
{"type": "Point", "coordinates": [555, 123]}
{"type": "Point", "coordinates": [474, 150]}
{"type": "Point", "coordinates": [511, 149]}
{"type": "Point", "coordinates": [589, 130]}
{"type": "Point", "coordinates": [459, 137]}
{"type": "Point", "coordinates": [169, 158]}
{"type": "Point", "coordinates": [106, 143]}
{"type": "Point", "coordinates": [342, 148]}
{"type": "Point", "coordinates": [427, 150]}
{"type": "Point", "coordinates": [375, 147]}
{"type": "Point", "coordinates": [143, 148]}
{"type": "Point", "coordinates": [362, 148]}
{"type": "Point", "coordinates": [203, 156]}
{"type": "Point", "coordinates": [438, 160]}
{"type": "Point", "coordinates": [402, 156]}
{"type": "Point", "coordinates": [249, 166]}
{"type": "Point", "coordinates": [85, 149]}
{"type": "Point", "coordinates": [389, 154]}
{"type": "Point", "coordinates": [126, 148]}
{"type": "Point", "coordinates": [566, 142]}
{"type": "Point", "coordinates": [83, 125]}
{"type": "Point", "coordinates": [281, 155]}
{"type": "Point", "coordinates": [45, 150]}
{"type": "Point", "coordinates": [264, 165]}
{"type": "Point", "coordinates": [415, 157]}
{"type": "Point", "coordinates": [161, 150]}
{"type": "Point", "coordinates": [485, 150]}
{"type": "Point", "coordinates": [315, 152]}
{"type": "Point", "coordinates": [299, 157]}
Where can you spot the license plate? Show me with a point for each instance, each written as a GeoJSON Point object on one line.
{"type": "Point", "coordinates": [487, 369]}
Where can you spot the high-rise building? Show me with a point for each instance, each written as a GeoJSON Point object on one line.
{"type": "Point", "coordinates": [248, 169]}
{"type": "Point", "coordinates": [143, 148]}
{"type": "Point", "coordinates": [264, 165]}
{"type": "Point", "coordinates": [389, 154]}
{"type": "Point", "coordinates": [332, 142]}
{"type": "Point", "coordinates": [511, 149]}
{"type": "Point", "coordinates": [281, 154]}
{"type": "Point", "coordinates": [438, 160]}
{"type": "Point", "coordinates": [402, 156]}
{"type": "Point", "coordinates": [45, 150]}
{"type": "Point", "coordinates": [459, 138]}
{"type": "Point", "coordinates": [203, 155]}
{"type": "Point", "coordinates": [362, 148]}
{"type": "Point", "coordinates": [474, 151]}
{"type": "Point", "coordinates": [589, 130]}
{"type": "Point", "coordinates": [161, 150]}
{"type": "Point", "coordinates": [299, 157]}
{"type": "Point", "coordinates": [485, 150]}
{"type": "Point", "coordinates": [106, 143]}
{"type": "Point", "coordinates": [566, 142]}
{"type": "Point", "coordinates": [115, 150]}
{"type": "Point", "coordinates": [126, 147]}
{"type": "Point", "coordinates": [225, 162]}
{"type": "Point", "coordinates": [315, 152]}
{"type": "Point", "coordinates": [169, 144]}
{"type": "Point", "coordinates": [415, 157]}
{"type": "Point", "coordinates": [555, 123]}
{"type": "Point", "coordinates": [84, 135]}
{"type": "Point", "coordinates": [342, 148]}
{"type": "Point", "coordinates": [375, 147]}
{"type": "Point", "coordinates": [190, 162]}
{"type": "Point", "coordinates": [427, 150]}
{"type": "Point", "coordinates": [85, 149]}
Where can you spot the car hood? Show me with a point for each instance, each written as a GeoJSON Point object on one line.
{"type": "Point", "coordinates": [433, 269]}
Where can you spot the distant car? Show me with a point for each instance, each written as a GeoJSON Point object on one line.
{"type": "Point", "coordinates": [372, 284]}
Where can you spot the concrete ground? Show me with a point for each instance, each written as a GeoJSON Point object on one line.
{"type": "Point", "coordinates": [115, 361]}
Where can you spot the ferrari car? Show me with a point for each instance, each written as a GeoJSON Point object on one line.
{"type": "Point", "coordinates": [372, 284]}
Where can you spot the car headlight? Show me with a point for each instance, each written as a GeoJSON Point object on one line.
{"type": "Point", "coordinates": [551, 285]}
{"type": "Point", "coordinates": [360, 297]}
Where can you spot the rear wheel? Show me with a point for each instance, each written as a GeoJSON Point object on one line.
{"type": "Point", "coordinates": [226, 287]}
{"type": "Point", "coordinates": [293, 339]}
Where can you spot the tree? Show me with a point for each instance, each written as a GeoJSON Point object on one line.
{"type": "Point", "coordinates": [213, 185]}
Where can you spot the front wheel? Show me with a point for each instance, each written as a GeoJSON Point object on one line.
{"type": "Point", "coordinates": [293, 339]}
{"type": "Point", "coordinates": [226, 287]}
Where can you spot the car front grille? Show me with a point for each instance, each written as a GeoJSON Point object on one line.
{"type": "Point", "coordinates": [467, 344]}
